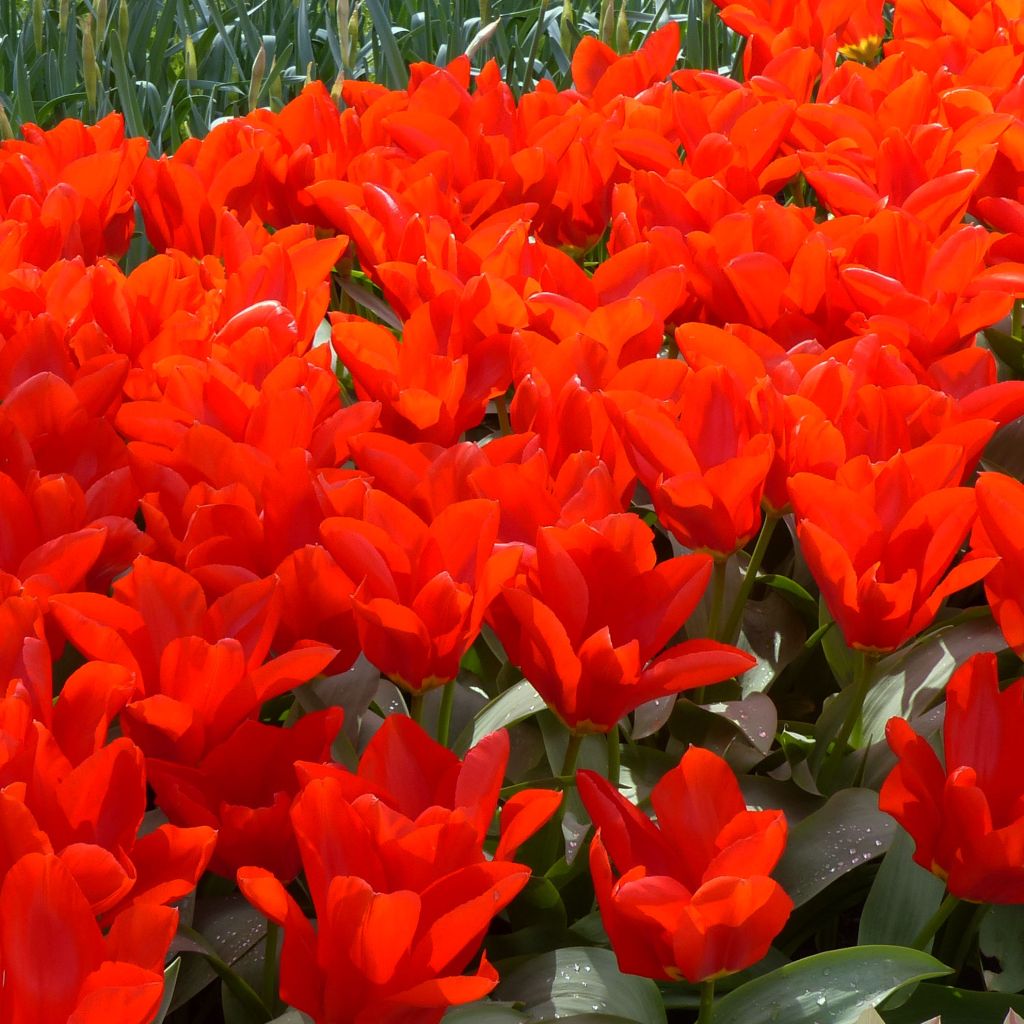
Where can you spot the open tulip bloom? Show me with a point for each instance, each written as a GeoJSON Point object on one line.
{"type": "Point", "coordinates": [967, 817]}
{"type": "Point", "coordinates": [375, 458]}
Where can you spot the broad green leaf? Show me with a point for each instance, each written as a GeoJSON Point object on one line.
{"type": "Point", "coordinates": [902, 899]}
{"type": "Point", "coordinates": [954, 1006]}
{"type": "Point", "coordinates": [518, 702]}
{"type": "Point", "coordinates": [293, 1016]}
{"type": "Point", "coordinates": [232, 929]}
{"type": "Point", "coordinates": [829, 988]}
{"type": "Point", "coordinates": [847, 832]}
{"type": "Point", "coordinates": [483, 1012]}
{"type": "Point", "coordinates": [581, 981]}
{"type": "Point", "coordinates": [170, 980]}
{"type": "Point", "coordinates": [1002, 940]}
{"type": "Point", "coordinates": [395, 74]}
{"type": "Point", "coordinates": [906, 683]}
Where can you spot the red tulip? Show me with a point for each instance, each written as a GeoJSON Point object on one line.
{"type": "Point", "coordinates": [396, 870]}
{"type": "Point", "coordinates": [587, 624]}
{"type": "Point", "coordinates": [57, 966]}
{"type": "Point", "coordinates": [880, 538]}
{"type": "Point", "coordinates": [689, 897]}
{"type": "Point", "coordinates": [423, 590]}
{"type": "Point", "coordinates": [967, 818]}
{"type": "Point", "coordinates": [244, 788]}
{"type": "Point", "coordinates": [998, 532]}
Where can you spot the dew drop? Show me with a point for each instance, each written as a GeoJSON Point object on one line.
{"type": "Point", "coordinates": [820, 1000]}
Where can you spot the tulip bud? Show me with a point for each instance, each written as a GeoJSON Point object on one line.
{"type": "Point", "coordinates": [566, 27]}
{"type": "Point", "coordinates": [622, 30]}
{"type": "Point", "coordinates": [6, 131]}
{"type": "Point", "coordinates": [482, 38]}
{"type": "Point", "coordinates": [123, 24]}
{"type": "Point", "coordinates": [101, 19]}
{"type": "Point", "coordinates": [344, 15]}
{"type": "Point", "coordinates": [90, 69]}
{"type": "Point", "coordinates": [191, 65]}
{"type": "Point", "coordinates": [259, 68]}
{"type": "Point", "coordinates": [606, 22]}
{"type": "Point", "coordinates": [353, 37]}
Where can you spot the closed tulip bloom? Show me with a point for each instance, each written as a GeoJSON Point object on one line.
{"type": "Point", "coordinates": [967, 818]}
{"type": "Point", "coordinates": [689, 897]}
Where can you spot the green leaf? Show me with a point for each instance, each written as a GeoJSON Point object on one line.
{"type": "Point", "coordinates": [954, 1006]}
{"type": "Point", "coordinates": [1002, 939]}
{"type": "Point", "coordinates": [792, 592]}
{"type": "Point", "coordinates": [396, 74]}
{"type": "Point", "coordinates": [517, 703]}
{"type": "Point", "coordinates": [906, 683]}
{"type": "Point", "coordinates": [829, 988]}
{"type": "Point", "coordinates": [902, 899]}
{"type": "Point", "coordinates": [483, 1012]}
{"type": "Point", "coordinates": [170, 979]}
{"type": "Point", "coordinates": [847, 832]}
{"type": "Point", "coordinates": [581, 981]}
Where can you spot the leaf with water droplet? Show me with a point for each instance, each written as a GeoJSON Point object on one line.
{"type": "Point", "coordinates": [558, 985]}
{"type": "Point", "coordinates": [846, 832]}
{"type": "Point", "coordinates": [858, 978]}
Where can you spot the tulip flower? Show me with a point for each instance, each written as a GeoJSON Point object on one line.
{"type": "Point", "coordinates": [690, 897]}
{"type": "Point", "coordinates": [997, 531]}
{"type": "Point", "coordinates": [423, 590]}
{"type": "Point", "coordinates": [880, 538]}
{"type": "Point", "coordinates": [587, 624]}
{"type": "Point", "coordinates": [706, 472]}
{"type": "Point", "coordinates": [403, 892]}
{"type": "Point", "coordinates": [967, 818]}
{"type": "Point", "coordinates": [55, 963]}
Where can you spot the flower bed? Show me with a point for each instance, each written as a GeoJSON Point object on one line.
{"type": "Point", "coordinates": [517, 559]}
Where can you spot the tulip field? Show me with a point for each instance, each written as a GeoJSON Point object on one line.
{"type": "Point", "coordinates": [512, 515]}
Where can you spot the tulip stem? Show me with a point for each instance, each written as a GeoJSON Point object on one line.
{"type": "Point", "coordinates": [444, 713]}
{"type": "Point", "coordinates": [707, 1002]}
{"type": "Point", "coordinates": [717, 597]}
{"type": "Point", "coordinates": [503, 421]}
{"type": "Point", "coordinates": [572, 753]}
{"type": "Point", "coordinates": [614, 756]}
{"type": "Point", "coordinates": [935, 922]}
{"type": "Point", "coordinates": [732, 623]}
{"type": "Point", "coordinates": [861, 685]}
{"type": "Point", "coordinates": [416, 708]}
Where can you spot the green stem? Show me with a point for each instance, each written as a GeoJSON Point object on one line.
{"type": "Point", "coordinates": [968, 935]}
{"type": "Point", "coordinates": [861, 685]}
{"type": "Point", "coordinates": [935, 922]}
{"type": "Point", "coordinates": [254, 1006]}
{"type": "Point", "coordinates": [572, 754]}
{"type": "Point", "coordinates": [444, 713]}
{"type": "Point", "coordinates": [732, 623]}
{"type": "Point", "coordinates": [270, 964]}
{"type": "Point", "coordinates": [714, 613]}
{"type": "Point", "coordinates": [717, 597]}
{"type": "Point", "coordinates": [504, 424]}
{"type": "Point", "coordinates": [416, 708]}
{"type": "Point", "coordinates": [1015, 319]}
{"type": "Point", "coordinates": [707, 1002]}
{"type": "Point", "coordinates": [614, 756]}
